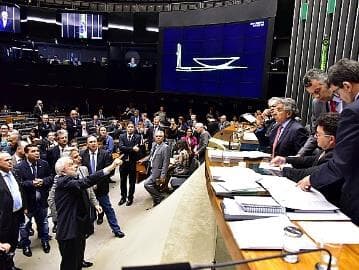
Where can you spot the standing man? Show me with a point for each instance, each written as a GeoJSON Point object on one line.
{"type": "Point", "coordinates": [344, 80]}
{"type": "Point", "coordinates": [5, 24]}
{"type": "Point", "coordinates": [96, 159]}
{"type": "Point", "coordinates": [72, 205]}
{"type": "Point", "coordinates": [204, 137]}
{"type": "Point", "coordinates": [324, 100]}
{"type": "Point", "coordinates": [73, 125]}
{"type": "Point", "coordinates": [38, 110]}
{"type": "Point", "coordinates": [11, 212]}
{"type": "Point", "coordinates": [58, 151]}
{"type": "Point", "coordinates": [36, 181]}
{"type": "Point", "coordinates": [158, 163]}
{"type": "Point", "coordinates": [129, 146]}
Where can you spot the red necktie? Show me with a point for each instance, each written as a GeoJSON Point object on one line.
{"type": "Point", "coordinates": [333, 106]}
{"type": "Point", "coordinates": [276, 139]}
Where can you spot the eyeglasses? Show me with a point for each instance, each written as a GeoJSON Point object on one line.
{"type": "Point", "coordinates": [317, 135]}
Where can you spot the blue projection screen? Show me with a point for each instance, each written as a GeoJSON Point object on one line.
{"type": "Point", "coordinates": [225, 60]}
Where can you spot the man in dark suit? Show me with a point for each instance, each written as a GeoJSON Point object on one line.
{"type": "Point", "coordinates": [73, 210]}
{"type": "Point", "coordinates": [38, 110]}
{"type": "Point", "coordinates": [96, 159]}
{"type": "Point", "coordinates": [129, 146]}
{"type": "Point", "coordinates": [73, 125]}
{"type": "Point", "coordinates": [36, 181]}
{"type": "Point", "coordinates": [6, 25]}
{"type": "Point", "coordinates": [325, 136]}
{"type": "Point", "coordinates": [136, 118]}
{"type": "Point", "coordinates": [57, 151]}
{"type": "Point", "coordinates": [288, 136]}
{"type": "Point", "coordinates": [45, 126]}
{"type": "Point", "coordinates": [11, 211]}
{"type": "Point", "coordinates": [159, 160]}
{"type": "Point", "coordinates": [316, 84]}
{"type": "Point", "coordinates": [343, 80]}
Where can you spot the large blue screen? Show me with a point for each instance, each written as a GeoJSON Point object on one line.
{"type": "Point", "coordinates": [219, 60]}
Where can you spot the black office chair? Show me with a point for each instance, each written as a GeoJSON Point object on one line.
{"type": "Point", "coordinates": [177, 180]}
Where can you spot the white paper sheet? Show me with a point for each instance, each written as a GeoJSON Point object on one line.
{"type": "Point", "coordinates": [264, 233]}
{"type": "Point", "coordinates": [332, 232]}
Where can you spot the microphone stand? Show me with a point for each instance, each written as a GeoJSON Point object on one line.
{"type": "Point", "coordinates": [238, 262]}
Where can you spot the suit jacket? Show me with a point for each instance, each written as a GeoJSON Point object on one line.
{"type": "Point", "coordinates": [73, 205]}
{"type": "Point", "coordinates": [304, 166]}
{"type": "Point", "coordinates": [291, 140]}
{"type": "Point", "coordinates": [7, 27]}
{"type": "Point", "coordinates": [24, 172]}
{"type": "Point", "coordinates": [133, 119]}
{"type": "Point", "coordinates": [38, 112]}
{"type": "Point", "coordinates": [161, 160]}
{"type": "Point", "coordinates": [53, 154]}
{"type": "Point", "coordinates": [126, 148]}
{"type": "Point", "coordinates": [104, 159]}
{"type": "Point", "coordinates": [6, 212]}
{"type": "Point", "coordinates": [73, 127]}
{"type": "Point", "coordinates": [343, 165]}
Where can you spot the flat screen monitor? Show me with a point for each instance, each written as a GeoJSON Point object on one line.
{"type": "Point", "coordinates": [226, 60]}
{"type": "Point", "coordinates": [9, 19]}
{"type": "Point", "coordinates": [81, 26]}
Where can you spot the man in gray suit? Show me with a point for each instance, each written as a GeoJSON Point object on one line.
{"type": "Point", "coordinates": [158, 162]}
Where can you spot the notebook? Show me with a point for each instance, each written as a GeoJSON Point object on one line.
{"type": "Point", "coordinates": [258, 204]}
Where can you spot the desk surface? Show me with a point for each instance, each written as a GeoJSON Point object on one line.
{"type": "Point", "coordinates": [349, 258]}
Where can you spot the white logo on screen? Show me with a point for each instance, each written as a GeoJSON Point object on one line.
{"type": "Point", "coordinates": [206, 67]}
{"type": "Point", "coordinates": [257, 24]}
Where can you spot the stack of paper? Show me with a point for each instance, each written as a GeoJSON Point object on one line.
{"type": "Point", "coordinates": [249, 136]}
{"type": "Point", "coordinates": [236, 181]}
{"type": "Point", "coordinates": [287, 194]}
{"type": "Point", "coordinates": [249, 117]}
{"type": "Point", "coordinates": [265, 233]}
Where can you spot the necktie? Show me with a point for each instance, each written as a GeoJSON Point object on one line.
{"type": "Point", "coordinates": [333, 106]}
{"type": "Point", "coordinates": [14, 190]}
{"type": "Point", "coordinates": [321, 155]}
{"type": "Point", "coordinates": [34, 170]}
{"type": "Point", "coordinates": [93, 163]}
{"type": "Point", "coordinates": [129, 137]}
{"type": "Point", "coordinates": [276, 139]}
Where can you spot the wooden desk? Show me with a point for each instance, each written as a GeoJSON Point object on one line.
{"type": "Point", "coordinates": [349, 258]}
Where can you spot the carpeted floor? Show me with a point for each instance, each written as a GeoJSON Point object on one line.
{"type": "Point", "coordinates": [181, 228]}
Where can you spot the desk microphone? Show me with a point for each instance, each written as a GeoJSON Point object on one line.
{"type": "Point", "coordinates": [187, 266]}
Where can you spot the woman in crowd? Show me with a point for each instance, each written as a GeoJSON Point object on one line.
{"type": "Point", "coordinates": [190, 140]}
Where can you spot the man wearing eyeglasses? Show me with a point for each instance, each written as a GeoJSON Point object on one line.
{"type": "Point", "coordinates": [302, 166]}
{"type": "Point", "coordinates": [324, 100]}
{"type": "Point", "coordinates": [344, 80]}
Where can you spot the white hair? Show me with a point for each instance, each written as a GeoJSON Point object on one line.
{"type": "Point", "coordinates": [61, 163]}
{"type": "Point", "coordinates": [199, 125]}
{"type": "Point", "coordinates": [160, 132]}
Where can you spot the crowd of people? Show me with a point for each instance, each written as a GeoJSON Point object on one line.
{"type": "Point", "coordinates": [65, 164]}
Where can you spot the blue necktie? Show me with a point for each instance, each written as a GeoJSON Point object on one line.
{"type": "Point", "coordinates": [93, 164]}
{"type": "Point", "coordinates": [34, 170]}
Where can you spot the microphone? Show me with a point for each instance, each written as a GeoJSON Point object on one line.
{"type": "Point", "coordinates": [187, 266]}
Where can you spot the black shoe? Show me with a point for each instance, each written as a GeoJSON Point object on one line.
{"type": "Point", "coordinates": [119, 234]}
{"type": "Point", "coordinates": [129, 202]}
{"type": "Point", "coordinates": [54, 229]}
{"type": "Point", "coordinates": [99, 220]}
{"type": "Point", "coordinates": [122, 201]}
{"type": "Point", "coordinates": [31, 232]}
{"type": "Point", "coordinates": [15, 268]}
{"type": "Point", "coordinates": [111, 181]}
{"type": "Point", "coordinates": [19, 246]}
{"type": "Point", "coordinates": [46, 247]}
{"type": "Point", "coordinates": [27, 251]}
{"type": "Point", "coordinates": [86, 264]}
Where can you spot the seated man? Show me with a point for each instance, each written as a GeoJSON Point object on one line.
{"type": "Point", "coordinates": [159, 160]}
{"type": "Point", "coordinates": [325, 135]}
{"type": "Point", "coordinates": [288, 135]}
{"type": "Point", "coordinates": [303, 166]}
